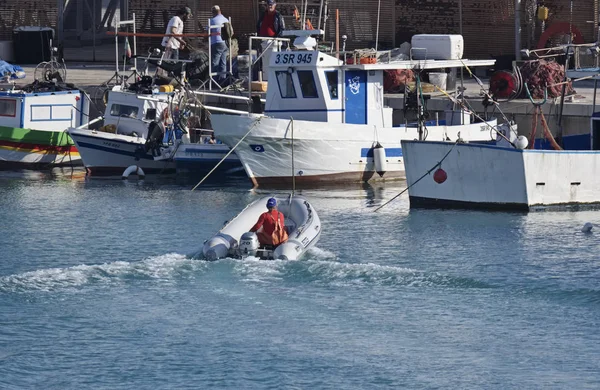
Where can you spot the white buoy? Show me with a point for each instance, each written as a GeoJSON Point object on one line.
{"type": "Point", "coordinates": [133, 169]}
{"type": "Point", "coordinates": [379, 159]}
{"type": "Point", "coordinates": [587, 228]}
{"type": "Point", "coordinates": [521, 142]}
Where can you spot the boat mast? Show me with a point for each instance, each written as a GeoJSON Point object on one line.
{"type": "Point", "coordinates": [420, 115]}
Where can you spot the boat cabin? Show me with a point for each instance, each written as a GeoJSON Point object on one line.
{"type": "Point", "coordinates": [131, 113]}
{"type": "Point", "coordinates": [310, 85]}
{"type": "Point", "coordinates": [315, 86]}
{"type": "Point", "coordinates": [43, 110]}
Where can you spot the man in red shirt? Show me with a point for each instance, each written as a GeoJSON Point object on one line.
{"type": "Point", "coordinates": [271, 221]}
{"type": "Point", "coordinates": [270, 23]}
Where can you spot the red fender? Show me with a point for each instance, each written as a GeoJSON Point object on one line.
{"type": "Point", "coordinates": [560, 28]}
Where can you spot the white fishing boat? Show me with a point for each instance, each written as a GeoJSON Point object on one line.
{"type": "Point", "coordinates": [124, 138]}
{"type": "Point", "coordinates": [509, 175]}
{"type": "Point", "coordinates": [235, 239]}
{"type": "Point", "coordinates": [141, 130]}
{"type": "Point", "coordinates": [325, 120]}
{"type": "Point", "coordinates": [149, 125]}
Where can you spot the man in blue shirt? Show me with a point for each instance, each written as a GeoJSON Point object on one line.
{"type": "Point", "coordinates": [218, 47]}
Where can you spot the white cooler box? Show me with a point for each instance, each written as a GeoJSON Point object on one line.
{"type": "Point", "coordinates": [437, 47]}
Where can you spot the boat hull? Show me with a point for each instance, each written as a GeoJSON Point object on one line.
{"type": "Point", "coordinates": [36, 148]}
{"type": "Point", "coordinates": [110, 154]}
{"type": "Point", "coordinates": [200, 159]}
{"type": "Point", "coordinates": [498, 178]}
{"type": "Point", "coordinates": [322, 153]}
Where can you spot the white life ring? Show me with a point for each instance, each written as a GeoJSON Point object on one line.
{"type": "Point", "coordinates": [133, 169]}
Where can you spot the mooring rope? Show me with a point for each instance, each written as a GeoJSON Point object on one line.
{"type": "Point", "coordinates": [228, 153]}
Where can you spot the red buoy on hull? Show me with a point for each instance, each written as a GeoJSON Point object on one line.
{"type": "Point", "coordinates": [440, 176]}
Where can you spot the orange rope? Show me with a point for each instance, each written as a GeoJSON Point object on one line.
{"type": "Point", "coordinates": [533, 128]}
{"type": "Point", "coordinates": [548, 134]}
{"type": "Point", "coordinates": [149, 35]}
{"type": "Point", "coordinates": [545, 127]}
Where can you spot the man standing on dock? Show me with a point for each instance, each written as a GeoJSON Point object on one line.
{"type": "Point", "coordinates": [175, 26]}
{"type": "Point", "coordinates": [270, 25]}
{"type": "Point", "coordinates": [218, 47]}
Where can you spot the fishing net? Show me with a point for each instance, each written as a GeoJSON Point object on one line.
{"type": "Point", "coordinates": [542, 74]}
{"type": "Point", "coordinates": [395, 80]}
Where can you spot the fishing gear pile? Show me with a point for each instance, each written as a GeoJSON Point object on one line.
{"type": "Point", "coordinates": [541, 74]}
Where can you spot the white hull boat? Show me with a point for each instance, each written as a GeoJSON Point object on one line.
{"type": "Point", "coordinates": [110, 154]}
{"type": "Point", "coordinates": [499, 178]}
{"type": "Point", "coordinates": [130, 118]}
{"type": "Point", "coordinates": [235, 240]}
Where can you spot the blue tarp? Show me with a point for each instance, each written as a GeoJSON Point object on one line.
{"type": "Point", "coordinates": [12, 71]}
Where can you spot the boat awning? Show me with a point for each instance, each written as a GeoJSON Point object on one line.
{"type": "Point", "coordinates": [422, 64]}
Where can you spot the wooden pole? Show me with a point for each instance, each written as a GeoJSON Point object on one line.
{"type": "Point", "coordinates": [337, 32]}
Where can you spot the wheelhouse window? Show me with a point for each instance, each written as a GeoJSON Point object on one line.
{"type": "Point", "coordinates": [151, 114]}
{"type": "Point", "coordinates": [307, 84]}
{"type": "Point", "coordinates": [332, 83]}
{"type": "Point", "coordinates": [123, 110]}
{"type": "Point", "coordinates": [286, 84]}
{"type": "Point", "coordinates": [8, 107]}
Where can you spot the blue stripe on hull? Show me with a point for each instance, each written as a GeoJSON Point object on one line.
{"type": "Point", "coordinates": [389, 152]}
{"type": "Point", "coordinates": [114, 151]}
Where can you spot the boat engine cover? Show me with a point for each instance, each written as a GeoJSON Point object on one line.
{"type": "Point", "coordinates": [248, 244]}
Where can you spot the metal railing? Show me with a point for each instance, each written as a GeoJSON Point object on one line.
{"type": "Point", "coordinates": [258, 57]}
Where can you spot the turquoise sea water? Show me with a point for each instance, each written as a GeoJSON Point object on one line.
{"type": "Point", "coordinates": [97, 291]}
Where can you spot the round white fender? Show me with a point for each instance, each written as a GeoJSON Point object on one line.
{"type": "Point", "coordinates": [379, 159]}
{"type": "Point", "coordinates": [133, 169]}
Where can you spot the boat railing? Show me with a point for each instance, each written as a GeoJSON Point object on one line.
{"type": "Point", "coordinates": [585, 55]}
{"type": "Point", "coordinates": [251, 40]}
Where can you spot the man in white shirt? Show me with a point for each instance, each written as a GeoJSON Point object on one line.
{"type": "Point", "coordinates": [218, 47]}
{"type": "Point", "coordinates": [175, 26]}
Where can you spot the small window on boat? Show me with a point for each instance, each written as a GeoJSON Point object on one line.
{"type": "Point", "coordinates": [307, 84]}
{"type": "Point", "coordinates": [151, 114]}
{"type": "Point", "coordinates": [8, 107]}
{"type": "Point", "coordinates": [123, 110]}
{"type": "Point", "coordinates": [286, 84]}
{"type": "Point", "coordinates": [332, 83]}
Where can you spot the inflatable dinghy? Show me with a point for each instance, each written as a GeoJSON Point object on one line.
{"type": "Point", "coordinates": [236, 240]}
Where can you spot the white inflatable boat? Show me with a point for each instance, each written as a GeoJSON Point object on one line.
{"type": "Point", "coordinates": [236, 240]}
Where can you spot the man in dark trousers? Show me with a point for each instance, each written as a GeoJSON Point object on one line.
{"type": "Point", "coordinates": [270, 25]}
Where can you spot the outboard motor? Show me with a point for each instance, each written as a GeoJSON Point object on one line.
{"type": "Point", "coordinates": [156, 133]}
{"type": "Point", "coordinates": [248, 244]}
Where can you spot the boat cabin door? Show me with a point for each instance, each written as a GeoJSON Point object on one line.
{"type": "Point", "coordinates": [596, 131]}
{"type": "Point", "coordinates": [356, 96]}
